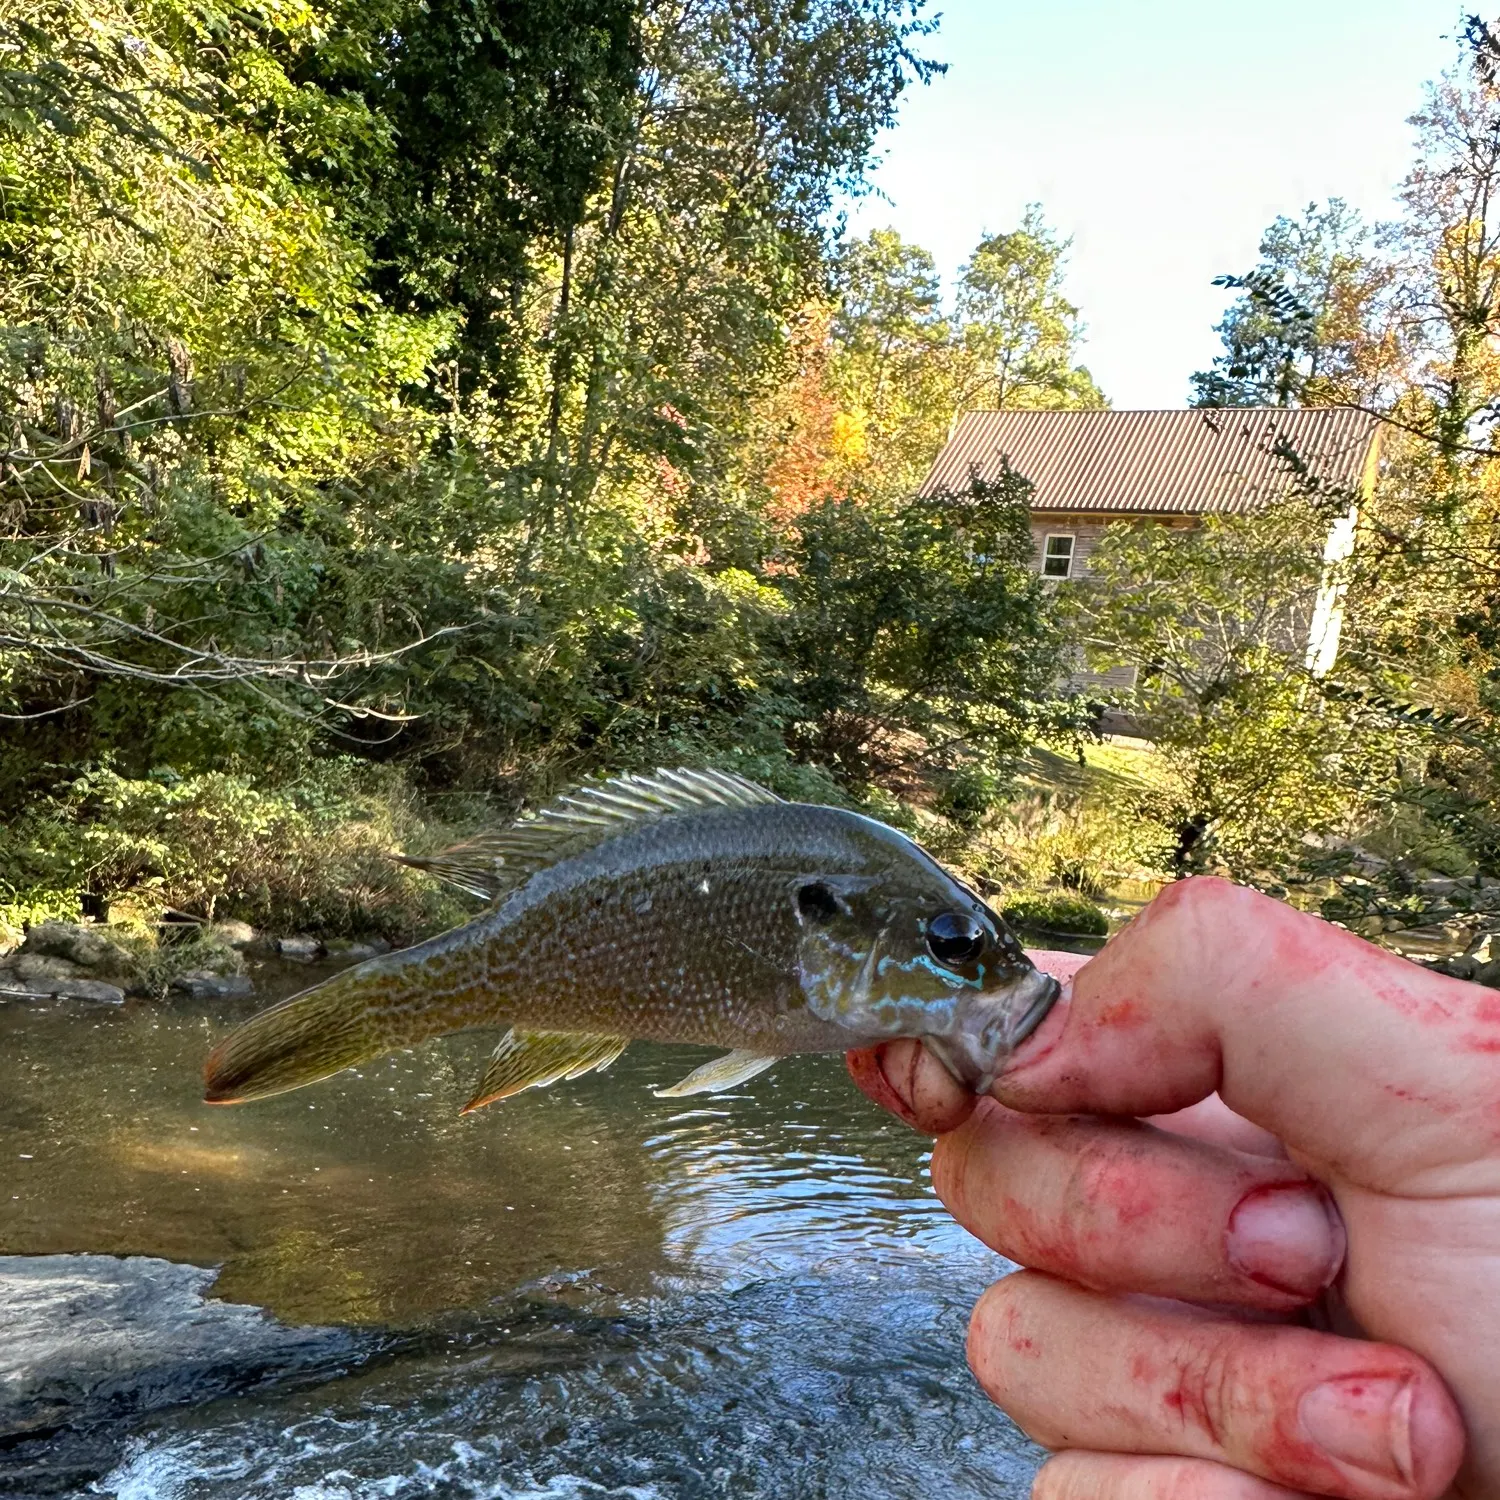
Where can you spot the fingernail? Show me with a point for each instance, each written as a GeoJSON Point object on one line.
{"type": "Point", "coordinates": [1287, 1236]}
{"type": "Point", "coordinates": [1362, 1421]}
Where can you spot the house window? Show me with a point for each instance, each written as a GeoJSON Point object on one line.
{"type": "Point", "coordinates": [1057, 556]}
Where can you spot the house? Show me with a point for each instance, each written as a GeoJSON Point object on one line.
{"type": "Point", "coordinates": [1094, 469]}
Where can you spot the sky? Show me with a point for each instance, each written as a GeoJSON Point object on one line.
{"type": "Point", "coordinates": [1162, 136]}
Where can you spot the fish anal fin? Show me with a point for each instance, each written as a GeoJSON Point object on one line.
{"type": "Point", "coordinates": [497, 861]}
{"type": "Point", "coordinates": [720, 1074]}
{"type": "Point", "coordinates": [533, 1059]}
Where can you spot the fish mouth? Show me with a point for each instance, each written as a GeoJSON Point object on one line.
{"type": "Point", "coordinates": [1037, 1008]}
{"type": "Point", "coordinates": [976, 1057]}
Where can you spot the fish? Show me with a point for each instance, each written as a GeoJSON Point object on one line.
{"type": "Point", "coordinates": [688, 906]}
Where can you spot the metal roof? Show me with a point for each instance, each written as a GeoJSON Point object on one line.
{"type": "Point", "coordinates": [1197, 460]}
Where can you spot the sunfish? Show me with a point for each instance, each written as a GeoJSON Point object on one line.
{"type": "Point", "coordinates": [684, 906]}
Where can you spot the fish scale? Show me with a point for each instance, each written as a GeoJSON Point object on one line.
{"type": "Point", "coordinates": [683, 907]}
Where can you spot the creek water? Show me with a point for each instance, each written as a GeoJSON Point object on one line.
{"type": "Point", "coordinates": [582, 1292]}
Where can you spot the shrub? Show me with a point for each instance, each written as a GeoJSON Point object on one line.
{"type": "Point", "coordinates": [1057, 911]}
{"type": "Point", "coordinates": [311, 857]}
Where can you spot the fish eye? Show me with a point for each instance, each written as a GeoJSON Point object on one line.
{"type": "Point", "coordinates": [955, 937]}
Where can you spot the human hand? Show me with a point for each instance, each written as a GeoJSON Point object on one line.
{"type": "Point", "coordinates": [1228, 1090]}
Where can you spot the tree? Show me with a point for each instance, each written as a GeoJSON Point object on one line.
{"type": "Point", "coordinates": [1018, 332]}
{"type": "Point", "coordinates": [892, 360]}
{"type": "Point", "coordinates": [458, 137]}
{"type": "Point", "coordinates": [917, 632]}
{"type": "Point", "coordinates": [1424, 600]}
{"type": "Point", "coordinates": [882, 373]}
{"type": "Point", "coordinates": [189, 361]}
{"type": "Point", "coordinates": [1307, 330]}
{"type": "Point", "coordinates": [1447, 249]}
{"type": "Point", "coordinates": [1213, 621]}
{"type": "Point", "coordinates": [667, 313]}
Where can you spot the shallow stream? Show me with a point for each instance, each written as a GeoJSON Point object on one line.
{"type": "Point", "coordinates": [582, 1292]}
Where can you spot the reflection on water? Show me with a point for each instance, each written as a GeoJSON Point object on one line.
{"type": "Point", "coordinates": [583, 1291]}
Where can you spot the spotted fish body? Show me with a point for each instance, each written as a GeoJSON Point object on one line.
{"type": "Point", "coordinates": [684, 907]}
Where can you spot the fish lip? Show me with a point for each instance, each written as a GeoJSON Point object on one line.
{"type": "Point", "coordinates": [977, 1066]}
{"type": "Point", "coordinates": [1037, 1011]}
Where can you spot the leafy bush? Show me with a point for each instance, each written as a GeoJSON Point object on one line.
{"type": "Point", "coordinates": [1056, 911]}
{"type": "Point", "coordinates": [313, 857]}
{"type": "Point", "coordinates": [967, 794]}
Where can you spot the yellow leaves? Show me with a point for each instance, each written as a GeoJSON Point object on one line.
{"type": "Point", "coordinates": [848, 437]}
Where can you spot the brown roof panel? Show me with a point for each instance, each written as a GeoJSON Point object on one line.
{"type": "Point", "coordinates": [1200, 459]}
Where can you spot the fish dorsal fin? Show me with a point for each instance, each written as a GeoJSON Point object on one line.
{"type": "Point", "coordinates": [533, 1059]}
{"type": "Point", "coordinates": [720, 1074]}
{"type": "Point", "coordinates": [493, 863]}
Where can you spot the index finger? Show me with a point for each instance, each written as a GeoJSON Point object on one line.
{"type": "Point", "coordinates": [1303, 1028]}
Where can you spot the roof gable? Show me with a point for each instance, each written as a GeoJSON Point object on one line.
{"type": "Point", "coordinates": [1196, 460]}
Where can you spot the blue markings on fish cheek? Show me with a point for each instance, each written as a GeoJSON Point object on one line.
{"type": "Point", "coordinates": [922, 962]}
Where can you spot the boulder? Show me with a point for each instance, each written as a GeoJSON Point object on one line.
{"type": "Point", "coordinates": [33, 967]}
{"type": "Point", "coordinates": [89, 947]}
{"type": "Point", "coordinates": [1489, 974]}
{"type": "Point", "coordinates": [234, 934]}
{"type": "Point", "coordinates": [302, 950]}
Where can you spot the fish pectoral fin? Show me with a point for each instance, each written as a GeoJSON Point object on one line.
{"type": "Point", "coordinates": [720, 1074]}
{"type": "Point", "coordinates": [533, 1059]}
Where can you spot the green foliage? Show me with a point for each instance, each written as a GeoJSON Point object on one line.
{"type": "Point", "coordinates": [891, 363]}
{"type": "Point", "coordinates": [195, 378]}
{"type": "Point", "coordinates": [1302, 333]}
{"type": "Point", "coordinates": [923, 621]}
{"type": "Point", "coordinates": [896, 368]}
{"type": "Point", "coordinates": [385, 385]}
{"type": "Point", "coordinates": [967, 793]}
{"type": "Point", "coordinates": [1213, 620]}
{"type": "Point", "coordinates": [314, 857]}
{"type": "Point", "coordinates": [458, 137]}
{"type": "Point", "coordinates": [1056, 911]}
{"type": "Point", "coordinates": [1019, 333]}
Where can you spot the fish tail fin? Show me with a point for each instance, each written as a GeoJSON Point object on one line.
{"type": "Point", "coordinates": [299, 1041]}
{"type": "Point", "coordinates": [345, 1020]}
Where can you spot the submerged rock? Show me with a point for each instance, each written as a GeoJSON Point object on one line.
{"type": "Point", "coordinates": [82, 1329]}
{"type": "Point", "coordinates": [92, 1341]}
{"type": "Point", "coordinates": [356, 952]}
{"type": "Point", "coordinates": [204, 986]}
{"type": "Point", "coordinates": [300, 949]}
{"type": "Point", "coordinates": [13, 987]}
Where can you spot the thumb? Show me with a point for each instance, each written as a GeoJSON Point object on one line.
{"type": "Point", "coordinates": [1301, 1027]}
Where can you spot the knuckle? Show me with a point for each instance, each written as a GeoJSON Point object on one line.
{"type": "Point", "coordinates": [1201, 1399]}
{"type": "Point", "coordinates": [1198, 893]}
